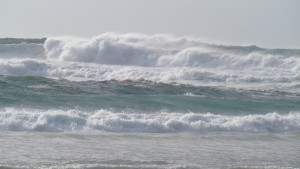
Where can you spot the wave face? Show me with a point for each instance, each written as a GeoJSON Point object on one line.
{"type": "Point", "coordinates": [141, 96]}
{"type": "Point", "coordinates": [141, 83]}
{"type": "Point", "coordinates": [57, 120]}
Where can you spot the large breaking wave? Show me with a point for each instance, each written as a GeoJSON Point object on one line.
{"type": "Point", "coordinates": [162, 50]}
{"type": "Point", "coordinates": [156, 58]}
{"type": "Point", "coordinates": [12, 119]}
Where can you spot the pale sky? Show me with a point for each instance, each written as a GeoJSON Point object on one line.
{"type": "Point", "coordinates": [266, 23]}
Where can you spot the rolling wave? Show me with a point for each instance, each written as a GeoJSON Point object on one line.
{"type": "Point", "coordinates": [79, 71]}
{"type": "Point", "coordinates": [140, 96]}
{"type": "Point", "coordinates": [12, 119]}
{"type": "Point", "coordinates": [159, 50]}
{"type": "Point", "coordinates": [158, 58]}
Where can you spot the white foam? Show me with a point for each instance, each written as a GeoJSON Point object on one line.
{"type": "Point", "coordinates": [12, 119]}
{"type": "Point", "coordinates": [166, 51]}
{"type": "Point", "coordinates": [153, 51]}
{"type": "Point", "coordinates": [23, 67]}
{"type": "Point", "coordinates": [159, 58]}
{"type": "Point", "coordinates": [186, 75]}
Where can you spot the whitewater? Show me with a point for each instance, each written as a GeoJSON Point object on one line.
{"type": "Point", "coordinates": [147, 101]}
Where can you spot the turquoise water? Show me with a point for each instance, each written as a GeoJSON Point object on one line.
{"type": "Point", "coordinates": [141, 96]}
{"type": "Point", "coordinates": [132, 101]}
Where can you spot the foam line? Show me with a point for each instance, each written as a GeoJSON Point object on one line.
{"type": "Point", "coordinates": [12, 119]}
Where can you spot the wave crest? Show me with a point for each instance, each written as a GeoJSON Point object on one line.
{"type": "Point", "coordinates": [161, 50]}
{"type": "Point", "coordinates": [159, 58]}
{"type": "Point", "coordinates": [12, 119]}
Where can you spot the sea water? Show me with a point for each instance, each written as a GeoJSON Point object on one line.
{"type": "Point", "coordinates": [140, 101]}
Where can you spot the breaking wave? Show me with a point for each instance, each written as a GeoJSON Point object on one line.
{"type": "Point", "coordinates": [12, 119]}
{"type": "Point", "coordinates": [160, 58]}
{"type": "Point", "coordinates": [153, 51]}
{"type": "Point", "coordinates": [162, 50]}
{"type": "Point", "coordinates": [186, 75]}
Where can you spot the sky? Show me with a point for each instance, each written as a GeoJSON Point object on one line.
{"type": "Point", "coordinates": [266, 23]}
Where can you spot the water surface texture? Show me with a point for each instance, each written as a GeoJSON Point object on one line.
{"type": "Point", "coordinates": [139, 101]}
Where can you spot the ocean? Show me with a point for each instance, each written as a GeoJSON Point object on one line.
{"type": "Point", "coordinates": [147, 101]}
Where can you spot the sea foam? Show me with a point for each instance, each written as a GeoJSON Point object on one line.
{"type": "Point", "coordinates": [162, 58]}
{"type": "Point", "coordinates": [162, 50]}
{"type": "Point", "coordinates": [182, 75]}
{"type": "Point", "coordinates": [12, 119]}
